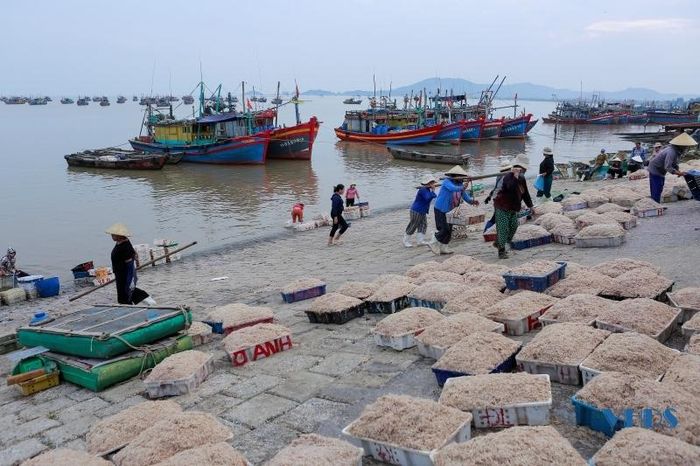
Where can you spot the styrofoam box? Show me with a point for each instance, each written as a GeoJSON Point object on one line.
{"type": "Point", "coordinates": [394, 454]}
{"type": "Point", "coordinates": [561, 239]}
{"type": "Point", "coordinates": [587, 373]}
{"type": "Point", "coordinates": [400, 342]}
{"type": "Point", "coordinates": [650, 213]}
{"type": "Point", "coordinates": [564, 374]}
{"type": "Point", "coordinates": [610, 242]}
{"type": "Point", "coordinates": [436, 352]}
{"type": "Point", "coordinates": [159, 389]}
{"type": "Point", "coordinates": [688, 312]}
{"type": "Point", "coordinates": [545, 321]}
{"type": "Point", "coordinates": [518, 414]}
{"type": "Point", "coordinates": [663, 335]}
{"type": "Point", "coordinates": [522, 326]}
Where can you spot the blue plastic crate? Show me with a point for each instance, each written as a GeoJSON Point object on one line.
{"type": "Point", "coordinates": [388, 307]}
{"type": "Point", "coordinates": [304, 294]}
{"type": "Point", "coordinates": [529, 243]}
{"type": "Point", "coordinates": [538, 283]}
{"type": "Point", "coordinates": [437, 305]}
{"type": "Point", "coordinates": [590, 416]}
{"type": "Point", "coordinates": [78, 274]}
{"type": "Point", "coordinates": [216, 327]}
{"type": "Point", "coordinates": [506, 366]}
{"type": "Point", "coordinates": [693, 180]}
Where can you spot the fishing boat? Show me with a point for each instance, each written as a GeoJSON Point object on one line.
{"type": "Point", "coordinates": [16, 100]}
{"type": "Point", "coordinates": [121, 99]}
{"type": "Point", "coordinates": [38, 101]}
{"type": "Point", "coordinates": [472, 129]}
{"type": "Point", "coordinates": [104, 102]}
{"type": "Point", "coordinates": [295, 142]}
{"type": "Point", "coordinates": [385, 136]}
{"type": "Point", "coordinates": [515, 127]}
{"type": "Point", "coordinates": [426, 157]}
{"type": "Point", "coordinates": [66, 100]}
{"type": "Point", "coordinates": [134, 99]}
{"type": "Point", "coordinates": [660, 117]}
{"type": "Point", "coordinates": [83, 101]}
{"type": "Point", "coordinates": [262, 99]}
{"type": "Point", "coordinates": [115, 159]}
{"type": "Point", "coordinates": [276, 101]}
{"type": "Point", "coordinates": [352, 101]}
{"type": "Point", "coordinates": [450, 132]}
{"type": "Point", "coordinates": [187, 99]}
{"type": "Point", "coordinates": [491, 129]}
{"type": "Point", "coordinates": [96, 99]}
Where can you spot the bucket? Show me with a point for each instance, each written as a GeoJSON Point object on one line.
{"type": "Point", "coordinates": [48, 287]}
{"type": "Point", "coordinates": [29, 284]}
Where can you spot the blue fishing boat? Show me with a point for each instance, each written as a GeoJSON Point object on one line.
{"type": "Point", "coordinates": [451, 132]}
{"type": "Point", "coordinates": [515, 127]}
{"type": "Point", "coordinates": [471, 130]}
{"type": "Point", "coordinates": [491, 129]}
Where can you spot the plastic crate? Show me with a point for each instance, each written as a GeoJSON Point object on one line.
{"type": "Point", "coordinates": [437, 305]}
{"type": "Point", "coordinates": [663, 335]}
{"type": "Point", "coordinates": [612, 242]}
{"type": "Point", "coordinates": [650, 213]}
{"type": "Point", "coordinates": [561, 239]}
{"type": "Point", "coordinates": [530, 243]}
{"type": "Point", "coordinates": [693, 182]}
{"type": "Point", "coordinates": [687, 312]}
{"type": "Point", "coordinates": [490, 237]}
{"type": "Point", "coordinates": [518, 414]}
{"type": "Point", "coordinates": [463, 221]}
{"type": "Point", "coordinates": [400, 342]}
{"type": "Point", "coordinates": [564, 374]}
{"type": "Point", "coordinates": [218, 327]}
{"type": "Point", "coordinates": [339, 318]}
{"type": "Point", "coordinates": [267, 349]}
{"type": "Point", "coordinates": [587, 373]}
{"type": "Point", "coordinates": [364, 209]}
{"type": "Point", "coordinates": [661, 297]}
{"type": "Point", "coordinates": [393, 454]}
{"type": "Point", "coordinates": [687, 333]}
{"type": "Point", "coordinates": [352, 213]}
{"type": "Point", "coordinates": [538, 283]}
{"type": "Point", "coordinates": [160, 389]}
{"type": "Point", "coordinates": [545, 321]}
{"type": "Point", "coordinates": [388, 307]}
{"type": "Point", "coordinates": [517, 327]}
{"type": "Point", "coordinates": [593, 417]}
{"type": "Point", "coordinates": [443, 374]}
{"type": "Point", "coordinates": [436, 352]}
{"type": "Point", "coordinates": [301, 295]}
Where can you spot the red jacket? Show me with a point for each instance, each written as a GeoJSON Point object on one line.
{"type": "Point", "coordinates": [513, 192]}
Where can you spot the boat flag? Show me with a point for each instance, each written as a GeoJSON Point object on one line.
{"type": "Point", "coordinates": [249, 105]}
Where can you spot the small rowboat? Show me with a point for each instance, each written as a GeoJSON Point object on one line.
{"type": "Point", "coordinates": [426, 157]}
{"type": "Point", "coordinates": [119, 159]}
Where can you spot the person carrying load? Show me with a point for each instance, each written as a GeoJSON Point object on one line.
{"type": "Point", "coordinates": [508, 202]}
{"type": "Point", "coordinates": [667, 162]}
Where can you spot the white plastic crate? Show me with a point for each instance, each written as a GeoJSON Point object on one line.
{"type": "Point", "coordinates": [352, 213]}
{"type": "Point", "coordinates": [517, 414]}
{"type": "Point", "coordinates": [688, 312]}
{"type": "Point", "coordinates": [687, 333]}
{"type": "Point", "coordinates": [587, 373]}
{"type": "Point", "coordinates": [561, 239]}
{"type": "Point", "coordinates": [663, 335]}
{"type": "Point", "coordinates": [159, 389]}
{"type": "Point", "coordinates": [393, 454]}
{"type": "Point", "coordinates": [600, 242]}
{"type": "Point", "coordinates": [564, 374]}
{"type": "Point", "coordinates": [436, 352]}
{"type": "Point", "coordinates": [649, 212]}
{"type": "Point", "coordinates": [437, 305]}
{"type": "Point", "coordinates": [400, 342]}
{"type": "Point", "coordinates": [545, 321]}
{"type": "Point", "coordinates": [517, 327]}
{"type": "Point", "coordinates": [263, 350]}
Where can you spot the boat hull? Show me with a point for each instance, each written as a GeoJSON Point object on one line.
{"type": "Point", "coordinates": [417, 156]}
{"type": "Point", "coordinates": [451, 133]}
{"type": "Point", "coordinates": [491, 129]}
{"type": "Point", "coordinates": [472, 130]}
{"type": "Point", "coordinates": [294, 143]}
{"type": "Point", "coordinates": [146, 163]}
{"type": "Point", "coordinates": [246, 150]}
{"type": "Point", "coordinates": [416, 136]}
{"type": "Point", "coordinates": [663, 118]}
{"type": "Point", "coordinates": [515, 127]}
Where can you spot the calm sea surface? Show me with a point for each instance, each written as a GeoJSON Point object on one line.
{"type": "Point", "coordinates": [55, 216]}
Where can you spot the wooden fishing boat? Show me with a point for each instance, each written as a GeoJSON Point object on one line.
{"type": "Point", "coordinates": [491, 129]}
{"type": "Point", "coordinates": [472, 130]}
{"type": "Point", "coordinates": [351, 101]}
{"type": "Point", "coordinates": [427, 157]}
{"type": "Point", "coordinates": [294, 142]}
{"type": "Point", "coordinates": [515, 127]}
{"type": "Point", "coordinates": [384, 136]}
{"type": "Point", "coordinates": [451, 133]}
{"type": "Point", "coordinates": [243, 150]}
{"type": "Point", "coordinates": [117, 159]}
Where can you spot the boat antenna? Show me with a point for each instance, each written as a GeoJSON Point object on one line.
{"type": "Point", "coordinates": [153, 76]}
{"type": "Point", "coordinates": [296, 102]}
{"type": "Point", "coordinates": [374, 83]}
{"type": "Point", "coordinates": [277, 99]}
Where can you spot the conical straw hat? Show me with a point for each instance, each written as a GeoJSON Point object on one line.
{"type": "Point", "coordinates": [456, 171]}
{"type": "Point", "coordinates": [520, 161]}
{"type": "Point", "coordinates": [684, 140]}
{"type": "Point", "coordinates": [118, 229]}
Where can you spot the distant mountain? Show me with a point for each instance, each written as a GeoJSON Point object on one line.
{"type": "Point", "coordinates": [318, 92]}
{"type": "Point", "coordinates": [508, 91]}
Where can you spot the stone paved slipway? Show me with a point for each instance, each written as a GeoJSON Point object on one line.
{"type": "Point", "coordinates": [333, 371]}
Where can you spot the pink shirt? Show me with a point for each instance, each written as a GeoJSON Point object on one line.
{"type": "Point", "coordinates": [351, 193]}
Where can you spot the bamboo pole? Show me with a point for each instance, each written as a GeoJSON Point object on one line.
{"type": "Point", "coordinates": [85, 293]}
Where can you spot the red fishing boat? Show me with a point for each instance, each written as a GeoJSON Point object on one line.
{"type": "Point", "coordinates": [412, 136]}
{"type": "Point", "coordinates": [294, 142]}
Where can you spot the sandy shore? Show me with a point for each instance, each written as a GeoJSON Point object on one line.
{"type": "Point", "coordinates": [323, 383]}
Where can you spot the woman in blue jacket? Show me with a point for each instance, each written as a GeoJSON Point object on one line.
{"type": "Point", "coordinates": [451, 192]}
{"type": "Point", "coordinates": [337, 215]}
{"type": "Point", "coordinates": [419, 212]}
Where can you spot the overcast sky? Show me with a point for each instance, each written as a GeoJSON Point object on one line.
{"type": "Point", "coordinates": [110, 47]}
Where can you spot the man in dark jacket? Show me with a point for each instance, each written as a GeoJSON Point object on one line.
{"type": "Point", "coordinates": [547, 172]}
{"type": "Point", "coordinates": [507, 204]}
{"type": "Point", "coordinates": [666, 161]}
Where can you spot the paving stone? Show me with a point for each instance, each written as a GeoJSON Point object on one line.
{"type": "Point", "coordinates": [366, 379]}
{"type": "Point", "coordinates": [21, 451]}
{"type": "Point", "coordinates": [217, 382]}
{"type": "Point", "coordinates": [123, 391]}
{"type": "Point", "coordinates": [84, 408]}
{"type": "Point", "coordinates": [253, 386]}
{"type": "Point", "coordinates": [308, 416]}
{"type": "Point", "coordinates": [339, 364]}
{"type": "Point", "coordinates": [77, 427]}
{"type": "Point", "coordinates": [81, 395]}
{"type": "Point", "coordinates": [214, 404]}
{"type": "Point", "coordinates": [115, 408]}
{"type": "Point", "coordinates": [285, 363]}
{"type": "Point", "coordinates": [62, 390]}
{"type": "Point", "coordinates": [46, 409]}
{"type": "Point", "coordinates": [15, 406]}
{"type": "Point", "coordinates": [258, 410]}
{"type": "Point", "coordinates": [8, 395]}
{"type": "Point", "coordinates": [264, 442]}
{"type": "Point", "coordinates": [27, 430]}
{"type": "Point", "coordinates": [301, 386]}
{"type": "Point", "coordinates": [77, 445]}
{"type": "Point", "coordinates": [345, 393]}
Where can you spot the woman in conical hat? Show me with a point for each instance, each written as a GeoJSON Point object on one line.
{"type": "Point", "coordinates": [666, 161]}
{"type": "Point", "coordinates": [508, 203]}
{"type": "Point", "coordinates": [418, 223]}
{"type": "Point", "coordinates": [123, 263]}
{"type": "Point", "coordinates": [452, 192]}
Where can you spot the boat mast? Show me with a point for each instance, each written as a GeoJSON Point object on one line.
{"type": "Point", "coordinates": [277, 99]}
{"type": "Point", "coordinates": [296, 102]}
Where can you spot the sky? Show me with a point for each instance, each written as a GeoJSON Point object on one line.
{"type": "Point", "coordinates": [71, 47]}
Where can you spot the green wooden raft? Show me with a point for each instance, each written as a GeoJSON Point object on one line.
{"type": "Point", "coordinates": [106, 331]}
{"type": "Point", "coordinates": [99, 374]}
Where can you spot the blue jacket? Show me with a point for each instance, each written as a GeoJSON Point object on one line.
{"type": "Point", "coordinates": [424, 197]}
{"type": "Point", "coordinates": [336, 205]}
{"type": "Point", "coordinates": [446, 199]}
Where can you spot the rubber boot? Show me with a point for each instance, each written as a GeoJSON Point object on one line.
{"type": "Point", "coordinates": [420, 238]}
{"type": "Point", "coordinates": [434, 246]}
{"type": "Point", "coordinates": [407, 240]}
{"type": "Point", "coordinates": [502, 254]}
{"type": "Point", "coordinates": [445, 249]}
